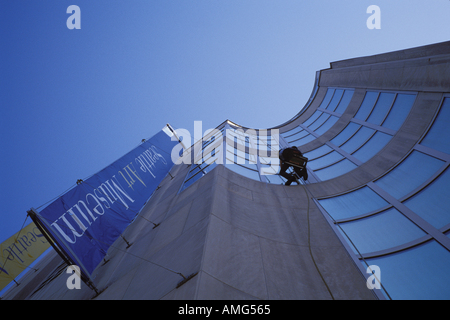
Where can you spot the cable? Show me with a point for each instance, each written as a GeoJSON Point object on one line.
{"type": "Point", "coordinates": [351, 242]}
{"type": "Point", "coordinates": [309, 241]}
{"type": "Point", "coordinates": [359, 253]}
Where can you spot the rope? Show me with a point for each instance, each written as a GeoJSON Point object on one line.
{"type": "Point", "coordinates": [337, 224]}
{"type": "Point", "coordinates": [309, 242]}
{"type": "Point", "coordinates": [359, 253]}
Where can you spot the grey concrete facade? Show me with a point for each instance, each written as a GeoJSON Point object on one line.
{"type": "Point", "coordinates": [246, 239]}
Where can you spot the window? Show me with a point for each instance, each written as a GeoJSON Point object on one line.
{"type": "Point", "coordinates": [320, 120]}
{"type": "Point", "coordinates": [400, 110]}
{"type": "Point", "coordinates": [381, 231]}
{"type": "Point", "coordinates": [353, 204]}
{"type": "Point", "coordinates": [196, 173]}
{"type": "Point", "coordinates": [313, 118]}
{"type": "Point", "coordinates": [244, 171]}
{"type": "Point", "coordinates": [302, 141]}
{"type": "Point", "coordinates": [373, 146]}
{"type": "Point", "coordinates": [316, 153]}
{"type": "Point", "coordinates": [298, 135]}
{"type": "Point", "coordinates": [335, 170]}
{"type": "Point", "coordinates": [345, 134]}
{"type": "Point", "coordinates": [291, 132]}
{"type": "Point", "coordinates": [335, 100]}
{"type": "Point", "coordinates": [417, 273]}
{"type": "Point", "coordinates": [438, 136]}
{"type": "Point", "coordinates": [327, 125]}
{"type": "Point", "coordinates": [357, 140]}
{"type": "Point", "coordinates": [348, 94]}
{"type": "Point", "coordinates": [326, 101]}
{"type": "Point", "coordinates": [325, 160]}
{"type": "Point", "coordinates": [382, 107]}
{"type": "Point", "coordinates": [367, 105]}
{"type": "Point", "coordinates": [433, 202]}
{"type": "Point", "coordinates": [415, 170]}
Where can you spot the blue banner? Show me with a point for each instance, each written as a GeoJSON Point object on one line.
{"type": "Point", "coordinates": [86, 220]}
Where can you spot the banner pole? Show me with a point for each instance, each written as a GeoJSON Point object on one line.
{"type": "Point", "coordinates": [34, 216]}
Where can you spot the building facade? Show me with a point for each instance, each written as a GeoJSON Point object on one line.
{"type": "Point", "coordinates": [371, 222]}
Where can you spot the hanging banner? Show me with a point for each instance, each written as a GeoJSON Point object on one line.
{"type": "Point", "coordinates": [19, 251]}
{"type": "Point", "coordinates": [86, 220]}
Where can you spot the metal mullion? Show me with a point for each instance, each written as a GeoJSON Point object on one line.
{"type": "Point", "coordinates": [365, 142]}
{"type": "Point", "coordinates": [344, 153]}
{"type": "Point", "coordinates": [373, 107]}
{"type": "Point", "coordinates": [365, 215]}
{"type": "Point", "coordinates": [412, 216]}
{"type": "Point", "coordinates": [356, 257]}
{"type": "Point", "coordinates": [399, 248]}
{"type": "Point", "coordinates": [374, 126]}
{"type": "Point", "coordinates": [333, 113]}
{"type": "Point", "coordinates": [389, 110]}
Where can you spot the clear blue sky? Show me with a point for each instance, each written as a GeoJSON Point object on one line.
{"type": "Point", "coordinates": [73, 101]}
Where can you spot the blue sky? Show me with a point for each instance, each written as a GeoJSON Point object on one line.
{"type": "Point", "coordinates": [74, 101]}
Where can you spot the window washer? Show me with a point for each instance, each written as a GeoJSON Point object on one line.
{"type": "Point", "coordinates": [292, 156]}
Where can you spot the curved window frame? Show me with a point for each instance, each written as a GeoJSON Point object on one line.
{"type": "Point", "coordinates": [440, 235]}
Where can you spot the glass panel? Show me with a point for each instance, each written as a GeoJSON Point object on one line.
{"type": "Point", "coordinates": [381, 231]}
{"type": "Point", "coordinates": [327, 99]}
{"type": "Point", "coordinates": [318, 152]}
{"type": "Point", "coordinates": [335, 170]}
{"type": "Point", "coordinates": [247, 164]}
{"type": "Point", "coordinates": [291, 132]}
{"type": "Point", "coordinates": [400, 111]}
{"type": "Point", "coordinates": [367, 105]}
{"type": "Point", "coordinates": [312, 118]}
{"type": "Point", "coordinates": [336, 98]}
{"type": "Point", "coordinates": [345, 134]}
{"type": "Point", "coordinates": [353, 204]}
{"type": "Point", "coordinates": [298, 135]}
{"type": "Point", "coordinates": [230, 152]}
{"type": "Point", "coordinates": [275, 179]}
{"type": "Point", "coordinates": [373, 146]}
{"type": "Point", "coordinates": [243, 171]}
{"type": "Point", "coordinates": [417, 273]}
{"type": "Point", "coordinates": [381, 108]}
{"type": "Point", "coordinates": [319, 121]}
{"type": "Point", "coordinates": [327, 125]}
{"type": "Point", "coordinates": [357, 140]}
{"type": "Point", "coordinates": [302, 141]}
{"type": "Point", "coordinates": [325, 160]}
{"type": "Point", "coordinates": [410, 174]}
{"type": "Point", "coordinates": [348, 94]}
{"type": "Point", "coordinates": [438, 136]}
{"type": "Point", "coordinates": [433, 202]}
{"type": "Point", "coordinates": [198, 175]}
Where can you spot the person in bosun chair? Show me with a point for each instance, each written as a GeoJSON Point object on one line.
{"type": "Point", "coordinates": [287, 157]}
